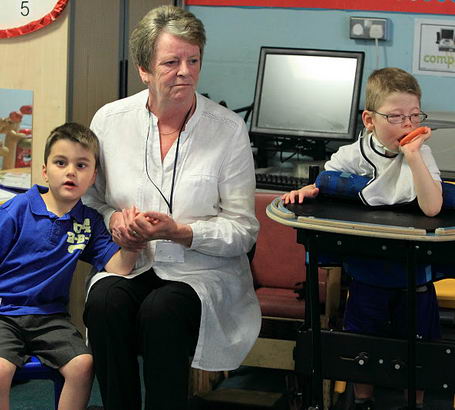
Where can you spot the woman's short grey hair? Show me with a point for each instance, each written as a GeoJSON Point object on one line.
{"type": "Point", "coordinates": [169, 19]}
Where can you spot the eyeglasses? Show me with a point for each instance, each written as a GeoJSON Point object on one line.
{"type": "Point", "coordinates": [401, 118]}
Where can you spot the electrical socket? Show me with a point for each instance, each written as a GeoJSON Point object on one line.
{"type": "Point", "coordinates": [368, 28]}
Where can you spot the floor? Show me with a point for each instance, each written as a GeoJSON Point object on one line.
{"type": "Point", "coordinates": [38, 394]}
{"type": "Point", "coordinates": [273, 381]}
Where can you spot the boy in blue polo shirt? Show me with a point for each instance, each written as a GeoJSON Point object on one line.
{"type": "Point", "coordinates": [44, 232]}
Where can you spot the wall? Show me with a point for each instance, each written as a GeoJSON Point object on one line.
{"type": "Point", "coordinates": [235, 35]}
{"type": "Point", "coordinates": [38, 62]}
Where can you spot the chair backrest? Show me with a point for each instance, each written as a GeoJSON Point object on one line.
{"type": "Point", "coordinates": [279, 262]}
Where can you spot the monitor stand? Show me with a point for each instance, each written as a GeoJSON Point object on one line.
{"type": "Point", "coordinates": [309, 169]}
{"type": "Point", "coordinates": [267, 147]}
{"type": "Point", "coordinates": [305, 168]}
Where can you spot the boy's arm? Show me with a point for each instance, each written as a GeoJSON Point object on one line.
{"type": "Point", "coordinates": [345, 159]}
{"type": "Point", "coordinates": [122, 262]}
{"type": "Point", "coordinates": [308, 191]}
{"type": "Point", "coordinates": [428, 191]}
{"type": "Point", "coordinates": [103, 253]}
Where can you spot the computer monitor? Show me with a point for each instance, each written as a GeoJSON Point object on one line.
{"type": "Point", "coordinates": [307, 93]}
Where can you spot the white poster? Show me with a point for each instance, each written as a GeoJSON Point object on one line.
{"type": "Point", "coordinates": [434, 47]}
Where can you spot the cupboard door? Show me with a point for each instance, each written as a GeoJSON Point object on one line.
{"type": "Point", "coordinates": [101, 70]}
{"type": "Point", "coordinates": [94, 57]}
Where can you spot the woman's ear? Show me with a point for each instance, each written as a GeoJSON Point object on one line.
{"type": "Point", "coordinates": [144, 74]}
{"type": "Point", "coordinates": [367, 118]}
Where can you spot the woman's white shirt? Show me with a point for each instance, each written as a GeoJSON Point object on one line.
{"type": "Point", "coordinates": [214, 194]}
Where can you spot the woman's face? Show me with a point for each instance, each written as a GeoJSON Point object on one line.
{"type": "Point", "coordinates": [174, 69]}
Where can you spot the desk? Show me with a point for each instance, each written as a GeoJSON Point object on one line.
{"type": "Point", "coordinates": [14, 181]}
{"type": "Point", "coordinates": [399, 233]}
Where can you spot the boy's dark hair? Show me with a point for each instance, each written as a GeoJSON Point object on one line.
{"type": "Point", "coordinates": [385, 81]}
{"type": "Point", "coordinates": [75, 132]}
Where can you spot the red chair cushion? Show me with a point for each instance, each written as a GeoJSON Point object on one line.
{"type": "Point", "coordinates": [279, 262]}
{"type": "Point", "coordinates": [277, 302]}
{"type": "Point", "coordinates": [278, 266]}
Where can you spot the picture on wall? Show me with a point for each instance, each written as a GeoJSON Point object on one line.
{"type": "Point", "coordinates": [434, 47]}
{"type": "Point", "coordinates": [16, 108]}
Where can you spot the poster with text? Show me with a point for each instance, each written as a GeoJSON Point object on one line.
{"type": "Point", "coordinates": [434, 47]}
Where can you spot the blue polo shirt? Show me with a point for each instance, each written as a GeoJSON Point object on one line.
{"type": "Point", "coordinates": [39, 252]}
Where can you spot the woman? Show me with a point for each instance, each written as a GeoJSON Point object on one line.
{"type": "Point", "coordinates": [185, 162]}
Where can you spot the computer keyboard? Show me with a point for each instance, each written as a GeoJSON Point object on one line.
{"type": "Point", "coordinates": [279, 182]}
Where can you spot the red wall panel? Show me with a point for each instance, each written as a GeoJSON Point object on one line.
{"type": "Point", "coordinates": [408, 6]}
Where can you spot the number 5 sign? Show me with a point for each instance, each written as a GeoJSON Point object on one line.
{"type": "Point", "coordinates": [19, 17]}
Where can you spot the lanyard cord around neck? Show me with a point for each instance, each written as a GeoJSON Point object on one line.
{"type": "Point", "coordinates": [168, 202]}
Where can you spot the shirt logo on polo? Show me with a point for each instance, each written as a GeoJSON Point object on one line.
{"type": "Point", "coordinates": [78, 238]}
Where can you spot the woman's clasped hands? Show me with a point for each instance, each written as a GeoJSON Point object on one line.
{"type": "Point", "coordinates": [131, 228]}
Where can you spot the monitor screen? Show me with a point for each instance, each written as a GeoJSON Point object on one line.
{"type": "Point", "coordinates": [307, 93]}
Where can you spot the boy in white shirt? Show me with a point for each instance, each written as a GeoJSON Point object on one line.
{"type": "Point", "coordinates": [399, 174]}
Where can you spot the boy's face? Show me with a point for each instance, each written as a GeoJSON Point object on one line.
{"type": "Point", "coordinates": [70, 170]}
{"type": "Point", "coordinates": [388, 134]}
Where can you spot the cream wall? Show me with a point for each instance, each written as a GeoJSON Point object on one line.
{"type": "Point", "coordinates": [39, 62]}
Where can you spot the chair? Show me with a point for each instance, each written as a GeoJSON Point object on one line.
{"type": "Point", "coordinates": [445, 291]}
{"type": "Point", "coordinates": [34, 369]}
{"type": "Point", "coordinates": [278, 269]}
{"type": "Point", "coordinates": [279, 273]}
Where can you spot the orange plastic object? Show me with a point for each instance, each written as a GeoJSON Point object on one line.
{"type": "Point", "coordinates": [413, 134]}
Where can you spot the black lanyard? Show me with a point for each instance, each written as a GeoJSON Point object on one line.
{"type": "Point", "coordinates": [168, 203]}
